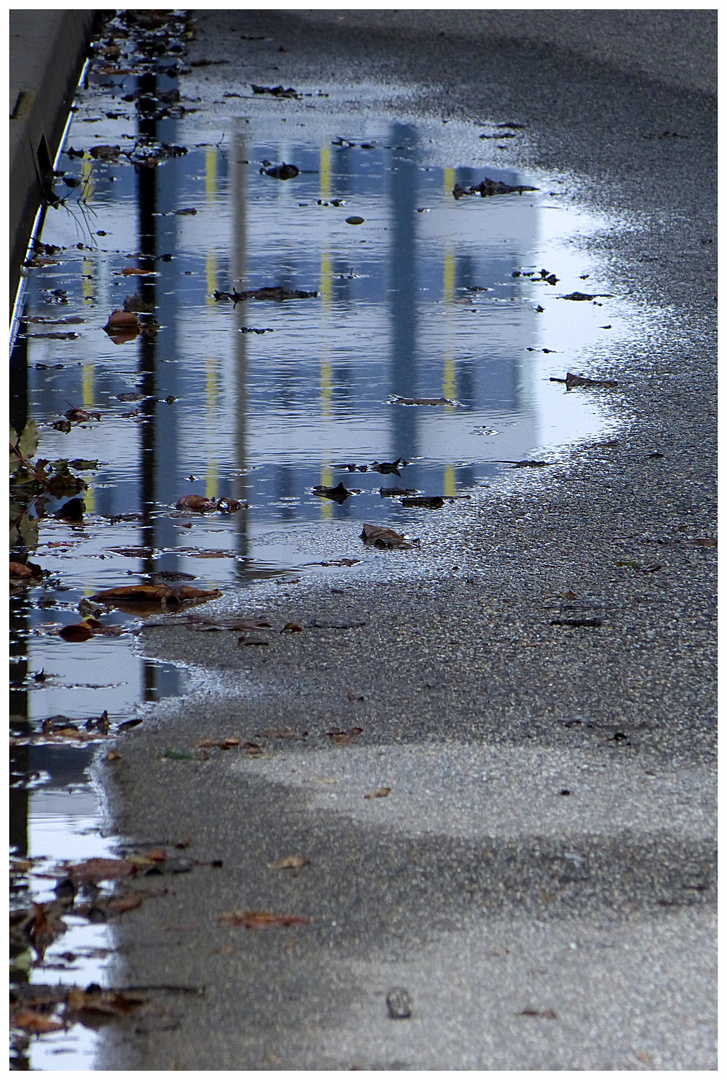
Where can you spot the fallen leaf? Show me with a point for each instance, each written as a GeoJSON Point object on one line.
{"type": "Point", "coordinates": [260, 920]}
{"type": "Point", "coordinates": [491, 187]}
{"type": "Point", "coordinates": [292, 862]}
{"type": "Point", "coordinates": [276, 91]}
{"type": "Point", "coordinates": [422, 401]}
{"type": "Point", "coordinates": [223, 744]}
{"type": "Point", "coordinates": [706, 541]}
{"type": "Point", "coordinates": [339, 494]}
{"type": "Point", "coordinates": [101, 1003]}
{"type": "Point", "coordinates": [344, 737]}
{"type": "Point", "coordinates": [389, 466]}
{"type": "Point", "coordinates": [382, 537]}
{"type": "Point", "coordinates": [354, 220]}
{"type": "Point", "coordinates": [34, 1022]}
{"type": "Point", "coordinates": [380, 793]}
{"type": "Point", "coordinates": [546, 1014]}
{"type": "Point", "coordinates": [25, 571]}
{"type": "Point", "coordinates": [569, 595]}
{"type": "Point", "coordinates": [281, 172]}
{"type": "Point", "coordinates": [196, 503]}
{"type": "Point", "coordinates": [100, 869]}
{"type": "Point", "coordinates": [247, 640]}
{"type": "Point", "coordinates": [113, 756]}
{"type": "Point", "coordinates": [105, 153]}
{"type": "Point", "coordinates": [78, 416]}
{"type": "Point", "coordinates": [160, 593]}
{"type": "Point", "coordinates": [77, 631]}
{"type": "Point", "coordinates": [292, 628]}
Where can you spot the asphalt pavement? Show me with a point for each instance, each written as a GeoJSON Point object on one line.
{"type": "Point", "coordinates": [540, 875]}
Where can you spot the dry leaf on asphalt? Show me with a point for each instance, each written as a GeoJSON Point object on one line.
{"type": "Point", "coordinates": [344, 736]}
{"type": "Point", "coordinates": [380, 793]}
{"type": "Point", "coordinates": [292, 862]}
{"type": "Point", "coordinates": [260, 920]}
{"type": "Point", "coordinates": [382, 537]}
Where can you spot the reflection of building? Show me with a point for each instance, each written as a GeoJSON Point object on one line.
{"type": "Point", "coordinates": [417, 301]}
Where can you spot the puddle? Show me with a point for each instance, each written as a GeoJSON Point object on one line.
{"type": "Point", "coordinates": [417, 295]}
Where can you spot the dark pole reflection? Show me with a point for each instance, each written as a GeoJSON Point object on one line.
{"type": "Point", "coordinates": [403, 286]}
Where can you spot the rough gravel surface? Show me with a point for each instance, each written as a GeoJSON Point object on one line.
{"type": "Point", "coordinates": [522, 834]}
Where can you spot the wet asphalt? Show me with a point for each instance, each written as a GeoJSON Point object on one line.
{"type": "Point", "coordinates": [541, 875]}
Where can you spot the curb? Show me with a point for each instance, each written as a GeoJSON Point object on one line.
{"type": "Point", "coordinates": [47, 52]}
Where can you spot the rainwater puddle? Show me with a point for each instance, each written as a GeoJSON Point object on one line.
{"type": "Point", "coordinates": [421, 362]}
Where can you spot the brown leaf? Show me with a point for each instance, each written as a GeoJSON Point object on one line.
{"type": "Point", "coordinates": [381, 537]}
{"type": "Point", "coordinates": [100, 869]}
{"type": "Point", "coordinates": [101, 1003]}
{"type": "Point", "coordinates": [197, 503]}
{"type": "Point", "coordinates": [291, 627]}
{"type": "Point", "coordinates": [25, 571]}
{"type": "Point", "coordinates": [344, 736]}
{"type": "Point", "coordinates": [292, 862]}
{"type": "Point", "coordinates": [260, 920]}
{"type": "Point", "coordinates": [380, 793]}
{"type": "Point", "coordinates": [76, 632]}
{"type": "Point", "coordinates": [160, 593]}
{"type": "Point", "coordinates": [34, 1022]}
{"type": "Point", "coordinates": [224, 744]}
{"type": "Point", "coordinates": [569, 595]}
{"type": "Point", "coordinates": [113, 756]}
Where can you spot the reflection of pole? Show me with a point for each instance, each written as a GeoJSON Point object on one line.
{"type": "Point", "coordinates": [449, 374]}
{"type": "Point", "coordinates": [211, 362]}
{"type": "Point", "coordinates": [238, 247]}
{"type": "Point", "coordinates": [326, 290]}
{"type": "Point", "coordinates": [402, 287]}
{"type": "Point", "coordinates": [147, 197]}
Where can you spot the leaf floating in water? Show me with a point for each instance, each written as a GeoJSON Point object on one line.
{"type": "Point", "coordinates": [122, 326]}
{"type": "Point", "coordinates": [491, 187]}
{"type": "Point", "coordinates": [269, 292]}
{"type": "Point", "coordinates": [585, 296]}
{"type": "Point", "coordinates": [354, 220]}
{"type": "Point", "coordinates": [572, 380]}
{"type": "Point", "coordinates": [389, 466]}
{"type": "Point", "coordinates": [393, 493]}
{"type": "Point", "coordinates": [160, 594]}
{"type": "Point", "coordinates": [281, 172]}
{"type": "Point", "coordinates": [198, 504]}
{"type": "Point", "coordinates": [382, 537]}
{"type": "Point", "coordinates": [339, 494]}
{"type": "Point", "coordinates": [396, 400]}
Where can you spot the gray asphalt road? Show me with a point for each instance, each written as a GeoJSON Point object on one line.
{"type": "Point", "coordinates": [531, 928]}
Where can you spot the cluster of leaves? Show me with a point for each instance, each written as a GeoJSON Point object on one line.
{"type": "Point", "coordinates": [31, 481]}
